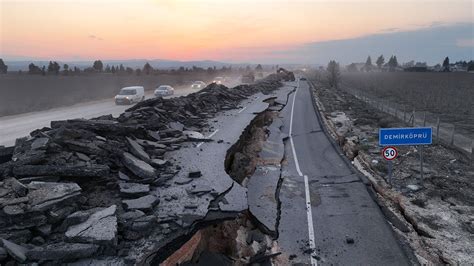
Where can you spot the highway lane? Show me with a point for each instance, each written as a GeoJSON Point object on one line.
{"type": "Point", "coordinates": [327, 214]}
{"type": "Point", "coordinates": [16, 126]}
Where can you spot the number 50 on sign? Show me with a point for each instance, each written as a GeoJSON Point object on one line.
{"type": "Point", "coordinates": [389, 153]}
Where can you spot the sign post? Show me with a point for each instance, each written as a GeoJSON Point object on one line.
{"type": "Point", "coordinates": [418, 136]}
{"type": "Point", "coordinates": [389, 153]}
{"type": "Point", "coordinates": [421, 162]}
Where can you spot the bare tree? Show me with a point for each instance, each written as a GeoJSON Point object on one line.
{"type": "Point", "coordinates": [98, 66]}
{"type": "Point", "coordinates": [3, 67]}
{"type": "Point", "coordinates": [33, 69]}
{"type": "Point", "coordinates": [368, 64]}
{"type": "Point", "coordinates": [446, 64]}
{"type": "Point", "coordinates": [380, 61]}
{"type": "Point", "coordinates": [147, 68]}
{"type": "Point", "coordinates": [334, 74]}
{"type": "Point", "coordinates": [66, 69]}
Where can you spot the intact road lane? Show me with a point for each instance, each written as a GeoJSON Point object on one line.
{"type": "Point", "coordinates": [17, 126]}
{"type": "Point", "coordinates": [327, 214]}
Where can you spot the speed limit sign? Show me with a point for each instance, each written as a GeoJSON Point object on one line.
{"type": "Point", "coordinates": [389, 153]}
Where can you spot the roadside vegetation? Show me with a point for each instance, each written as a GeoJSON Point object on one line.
{"type": "Point", "coordinates": [443, 91]}
{"type": "Point", "coordinates": [447, 95]}
{"type": "Point", "coordinates": [432, 212]}
{"type": "Point", "coordinates": [42, 87]}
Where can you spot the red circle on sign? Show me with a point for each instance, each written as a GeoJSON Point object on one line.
{"type": "Point", "coordinates": [389, 153]}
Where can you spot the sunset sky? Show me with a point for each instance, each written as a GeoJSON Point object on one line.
{"type": "Point", "coordinates": [226, 30]}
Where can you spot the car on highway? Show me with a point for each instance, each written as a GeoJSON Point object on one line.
{"type": "Point", "coordinates": [198, 85]}
{"type": "Point", "coordinates": [302, 78]}
{"type": "Point", "coordinates": [247, 78]}
{"type": "Point", "coordinates": [218, 80]}
{"type": "Point", "coordinates": [130, 95]}
{"type": "Point", "coordinates": [164, 90]}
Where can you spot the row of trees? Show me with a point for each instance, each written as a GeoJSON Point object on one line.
{"type": "Point", "coordinates": [53, 68]}
{"type": "Point", "coordinates": [392, 64]}
{"type": "Point", "coordinates": [98, 67]}
{"type": "Point", "coordinates": [334, 72]}
{"type": "Point", "coordinates": [447, 65]}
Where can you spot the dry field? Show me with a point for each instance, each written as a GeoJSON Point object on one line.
{"type": "Point", "coordinates": [447, 95]}
{"type": "Point", "coordinates": [27, 93]}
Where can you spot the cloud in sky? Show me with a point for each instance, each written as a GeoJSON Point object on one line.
{"type": "Point", "coordinates": [430, 44]}
{"type": "Point", "coordinates": [466, 43]}
{"type": "Point", "coordinates": [231, 30]}
{"type": "Point", "coordinates": [389, 29]}
{"type": "Point", "coordinates": [94, 37]}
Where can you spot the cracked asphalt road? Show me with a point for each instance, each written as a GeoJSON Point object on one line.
{"type": "Point", "coordinates": [179, 202]}
{"type": "Point", "coordinates": [343, 224]}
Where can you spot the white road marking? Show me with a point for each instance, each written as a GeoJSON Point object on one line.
{"type": "Point", "coordinates": [309, 214]}
{"type": "Point", "coordinates": [215, 131]}
{"type": "Point", "coordinates": [241, 110]}
{"type": "Point", "coordinates": [210, 136]}
{"type": "Point", "coordinates": [291, 137]}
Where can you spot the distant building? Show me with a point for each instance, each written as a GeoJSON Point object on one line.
{"type": "Point", "coordinates": [435, 68]}
{"type": "Point", "coordinates": [416, 69]}
{"type": "Point", "coordinates": [355, 67]}
{"type": "Point", "coordinates": [458, 68]}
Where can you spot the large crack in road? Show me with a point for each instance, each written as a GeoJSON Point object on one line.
{"type": "Point", "coordinates": [242, 157]}
{"type": "Point", "coordinates": [146, 168]}
{"type": "Point", "coordinates": [173, 177]}
{"type": "Point", "coordinates": [253, 153]}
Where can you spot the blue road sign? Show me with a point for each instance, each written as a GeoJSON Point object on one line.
{"type": "Point", "coordinates": [405, 136]}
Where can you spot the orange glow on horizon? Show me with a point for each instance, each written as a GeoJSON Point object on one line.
{"type": "Point", "coordinates": [191, 30]}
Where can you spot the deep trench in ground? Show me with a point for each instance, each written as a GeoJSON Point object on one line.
{"type": "Point", "coordinates": [242, 158]}
{"type": "Point", "coordinates": [237, 240]}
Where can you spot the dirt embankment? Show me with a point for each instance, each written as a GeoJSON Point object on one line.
{"type": "Point", "coordinates": [436, 212]}
{"type": "Point", "coordinates": [27, 93]}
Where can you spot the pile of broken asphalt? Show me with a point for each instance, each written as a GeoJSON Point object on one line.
{"type": "Point", "coordinates": [84, 190]}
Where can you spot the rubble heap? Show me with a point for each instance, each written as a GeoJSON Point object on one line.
{"type": "Point", "coordinates": [83, 188]}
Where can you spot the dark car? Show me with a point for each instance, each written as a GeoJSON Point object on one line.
{"type": "Point", "coordinates": [302, 78]}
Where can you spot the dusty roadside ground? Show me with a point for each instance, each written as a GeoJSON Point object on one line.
{"type": "Point", "coordinates": [435, 215]}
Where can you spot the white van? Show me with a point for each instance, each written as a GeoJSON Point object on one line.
{"type": "Point", "coordinates": [130, 95]}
